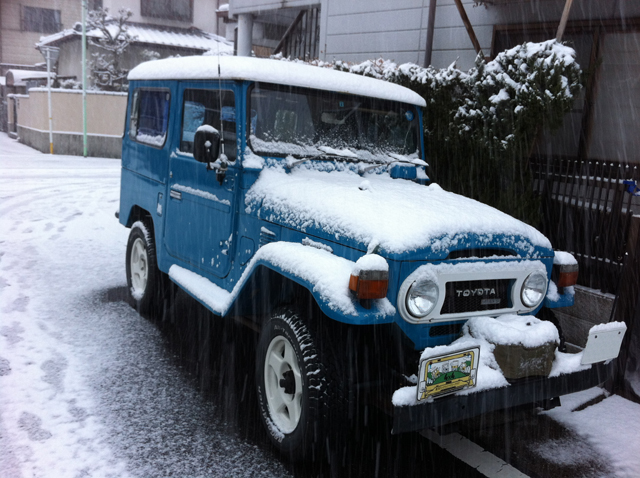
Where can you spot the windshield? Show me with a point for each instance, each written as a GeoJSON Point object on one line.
{"type": "Point", "coordinates": [302, 122]}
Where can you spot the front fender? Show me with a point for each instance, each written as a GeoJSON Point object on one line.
{"type": "Point", "coordinates": [323, 274]}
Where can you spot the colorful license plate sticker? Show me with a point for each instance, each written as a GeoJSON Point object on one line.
{"type": "Point", "coordinates": [445, 374]}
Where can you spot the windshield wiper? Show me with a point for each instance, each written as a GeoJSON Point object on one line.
{"type": "Point", "coordinates": [320, 157]}
{"type": "Point", "coordinates": [395, 161]}
{"type": "Point", "coordinates": [330, 157]}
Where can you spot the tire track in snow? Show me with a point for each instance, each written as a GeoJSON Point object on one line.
{"type": "Point", "coordinates": [47, 414]}
{"type": "Point", "coordinates": [16, 202]}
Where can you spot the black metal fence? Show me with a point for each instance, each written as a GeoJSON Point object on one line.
{"type": "Point", "coordinates": [587, 211]}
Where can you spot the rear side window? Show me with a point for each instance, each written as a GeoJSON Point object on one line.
{"type": "Point", "coordinates": [150, 116]}
{"type": "Point", "coordinates": [209, 107]}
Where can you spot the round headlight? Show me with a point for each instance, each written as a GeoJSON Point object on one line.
{"type": "Point", "coordinates": [534, 289]}
{"type": "Point", "coordinates": [422, 297]}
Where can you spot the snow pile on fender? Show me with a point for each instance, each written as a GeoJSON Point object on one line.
{"type": "Point", "coordinates": [327, 273]}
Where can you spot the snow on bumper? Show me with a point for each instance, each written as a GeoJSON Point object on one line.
{"type": "Point", "coordinates": [455, 408]}
{"type": "Point", "coordinates": [569, 372]}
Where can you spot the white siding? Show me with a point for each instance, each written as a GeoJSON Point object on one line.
{"type": "Point", "coordinates": [367, 29]}
{"type": "Point", "coordinates": [355, 30]}
{"type": "Point", "coordinates": [397, 30]}
{"type": "Point", "coordinates": [369, 22]}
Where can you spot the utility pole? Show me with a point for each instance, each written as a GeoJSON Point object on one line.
{"type": "Point", "coordinates": [84, 78]}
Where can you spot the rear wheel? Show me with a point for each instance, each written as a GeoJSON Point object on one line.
{"type": "Point", "coordinates": [144, 279]}
{"type": "Point", "coordinates": [298, 392]}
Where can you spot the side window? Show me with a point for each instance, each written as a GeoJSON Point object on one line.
{"type": "Point", "coordinates": [150, 116]}
{"type": "Point", "coordinates": [212, 107]}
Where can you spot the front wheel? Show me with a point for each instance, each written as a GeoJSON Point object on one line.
{"type": "Point", "coordinates": [298, 395]}
{"type": "Point", "coordinates": [143, 276]}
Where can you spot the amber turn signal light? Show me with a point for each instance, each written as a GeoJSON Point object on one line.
{"type": "Point", "coordinates": [567, 275]}
{"type": "Point", "coordinates": [370, 284]}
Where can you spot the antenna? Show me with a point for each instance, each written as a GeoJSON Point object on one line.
{"type": "Point", "coordinates": [221, 170]}
{"type": "Point", "coordinates": [222, 156]}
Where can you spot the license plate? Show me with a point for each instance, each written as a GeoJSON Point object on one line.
{"type": "Point", "coordinates": [445, 374]}
{"type": "Point", "coordinates": [603, 345]}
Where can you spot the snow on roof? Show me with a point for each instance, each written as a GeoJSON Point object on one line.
{"type": "Point", "coordinates": [272, 71]}
{"type": "Point", "coordinates": [396, 214]}
{"type": "Point", "coordinates": [20, 77]}
{"type": "Point", "coordinates": [175, 37]}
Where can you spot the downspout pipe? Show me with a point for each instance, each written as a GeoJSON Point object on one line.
{"type": "Point", "coordinates": [245, 34]}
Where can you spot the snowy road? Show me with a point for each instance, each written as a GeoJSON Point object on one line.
{"type": "Point", "coordinates": [88, 388]}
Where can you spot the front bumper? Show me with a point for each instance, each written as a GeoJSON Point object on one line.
{"type": "Point", "coordinates": [454, 408]}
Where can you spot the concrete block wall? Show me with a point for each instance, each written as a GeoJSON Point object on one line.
{"type": "Point", "coordinates": [105, 121]}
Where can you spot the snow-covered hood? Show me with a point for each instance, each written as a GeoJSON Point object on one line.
{"type": "Point", "coordinates": [398, 215]}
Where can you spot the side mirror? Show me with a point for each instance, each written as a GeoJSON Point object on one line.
{"type": "Point", "coordinates": [206, 144]}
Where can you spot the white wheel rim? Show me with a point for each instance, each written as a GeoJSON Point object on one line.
{"type": "Point", "coordinates": [139, 270]}
{"type": "Point", "coordinates": [285, 408]}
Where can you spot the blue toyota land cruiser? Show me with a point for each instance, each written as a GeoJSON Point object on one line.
{"type": "Point", "coordinates": [296, 199]}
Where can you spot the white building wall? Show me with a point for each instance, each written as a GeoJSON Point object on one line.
{"type": "Point", "coordinates": [358, 30]}
{"type": "Point", "coordinates": [367, 29]}
{"type": "Point", "coordinates": [451, 40]}
{"type": "Point", "coordinates": [204, 14]}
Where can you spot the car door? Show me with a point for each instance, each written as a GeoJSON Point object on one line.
{"type": "Point", "coordinates": [199, 217]}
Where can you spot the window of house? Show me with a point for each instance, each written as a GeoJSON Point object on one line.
{"type": "Point", "coordinates": [95, 4]}
{"type": "Point", "coordinates": [210, 107]}
{"type": "Point", "coordinates": [150, 116]}
{"type": "Point", "coordinates": [42, 20]}
{"type": "Point", "coordinates": [167, 9]}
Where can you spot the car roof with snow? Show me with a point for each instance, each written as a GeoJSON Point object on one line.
{"type": "Point", "coordinates": [272, 71]}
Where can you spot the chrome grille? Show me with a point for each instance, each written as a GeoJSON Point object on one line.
{"type": "Point", "coordinates": [479, 295]}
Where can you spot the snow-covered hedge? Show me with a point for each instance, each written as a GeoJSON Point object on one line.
{"type": "Point", "coordinates": [480, 125]}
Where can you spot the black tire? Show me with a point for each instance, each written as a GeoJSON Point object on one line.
{"type": "Point", "coordinates": [318, 389]}
{"type": "Point", "coordinates": [144, 279]}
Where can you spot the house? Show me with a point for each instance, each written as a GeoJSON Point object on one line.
{"type": "Point", "coordinates": [105, 110]}
{"type": "Point", "coordinates": [23, 23]}
{"type": "Point", "coordinates": [158, 29]}
{"type": "Point", "coordinates": [605, 36]}
{"type": "Point", "coordinates": [149, 42]}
